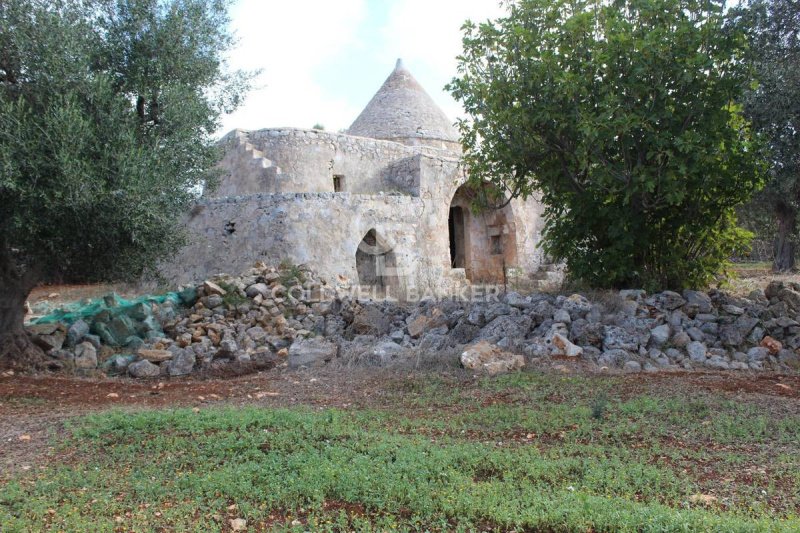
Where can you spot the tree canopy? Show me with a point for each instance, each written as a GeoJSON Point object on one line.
{"type": "Point", "coordinates": [622, 116]}
{"type": "Point", "coordinates": [772, 103]}
{"type": "Point", "coordinates": [107, 115]}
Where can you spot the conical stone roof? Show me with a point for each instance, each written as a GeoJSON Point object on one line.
{"type": "Point", "coordinates": [402, 111]}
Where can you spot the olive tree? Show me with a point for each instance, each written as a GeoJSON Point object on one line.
{"type": "Point", "coordinates": [107, 115]}
{"type": "Point", "coordinates": [772, 103]}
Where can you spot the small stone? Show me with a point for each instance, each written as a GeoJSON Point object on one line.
{"type": "Point", "coordinates": [214, 301]}
{"type": "Point", "coordinates": [212, 288]}
{"type": "Point", "coordinates": [257, 289]}
{"type": "Point", "coordinates": [155, 356]}
{"type": "Point", "coordinates": [772, 345]}
{"type": "Point", "coordinates": [238, 524]}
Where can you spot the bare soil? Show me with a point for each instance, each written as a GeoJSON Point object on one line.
{"type": "Point", "coordinates": [33, 408]}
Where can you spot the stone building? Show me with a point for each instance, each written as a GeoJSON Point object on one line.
{"type": "Point", "coordinates": [381, 205]}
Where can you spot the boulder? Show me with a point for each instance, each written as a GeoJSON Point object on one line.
{"type": "Point", "coordinates": [681, 339]}
{"type": "Point", "coordinates": [757, 354]}
{"type": "Point", "coordinates": [772, 345]}
{"type": "Point", "coordinates": [182, 362]}
{"type": "Point", "coordinates": [514, 327]}
{"type": "Point", "coordinates": [617, 338]}
{"type": "Point", "coordinates": [791, 298]}
{"type": "Point", "coordinates": [697, 302]}
{"type": "Point", "coordinates": [144, 369]}
{"type": "Point", "coordinates": [668, 300]}
{"type": "Point", "coordinates": [562, 315]}
{"type": "Point", "coordinates": [697, 351]}
{"type": "Point", "coordinates": [311, 352]}
{"type": "Point", "coordinates": [77, 332]}
{"type": "Point", "coordinates": [85, 356]}
{"type": "Point", "coordinates": [632, 366]}
{"type": "Point", "coordinates": [118, 364]}
{"type": "Point", "coordinates": [660, 335]}
{"type": "Point", "coordinates": [487, 358]}
{"type": "Point", "coordinates": [48, 336]}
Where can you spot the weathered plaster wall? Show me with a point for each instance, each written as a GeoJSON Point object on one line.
{"type": "Point", "coordinates": [308, 160]}
{"type": "Point", "coordinates": [322, 230]}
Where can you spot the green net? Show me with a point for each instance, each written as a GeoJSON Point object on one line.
{"type": "Point", "coordinates": [111, 303]}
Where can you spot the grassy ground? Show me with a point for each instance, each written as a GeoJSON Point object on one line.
{"type": "Point", "coordinates": [525, 452]}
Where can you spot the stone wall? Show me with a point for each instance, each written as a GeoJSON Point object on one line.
{"type": "Point", "coordinates": [309, 159]}
{"type": "Point", "coordinates": [321, 230]}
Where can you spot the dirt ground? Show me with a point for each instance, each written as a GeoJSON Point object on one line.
{"type": "Point", "coordinates": [33, 408]}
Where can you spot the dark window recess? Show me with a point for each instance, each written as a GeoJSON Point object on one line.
{"type": "Point", "coordinates": [497, 245]}
{"type": "Point", "coordinates": [230, 228]}
{"type": "Point", "coordinates": [338, 183]}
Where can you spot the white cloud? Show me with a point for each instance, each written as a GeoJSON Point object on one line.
{"type": "Point", "coordinates": [290, 40]}
{"type": "Point", "coordinates": [293, 40]}
{"type": "Point", "coordinates": [427, 35]}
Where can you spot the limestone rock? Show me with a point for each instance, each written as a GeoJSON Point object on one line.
{"type": "Point", "coordinates": [772, 345]}
{"type": "Point", "coordinates": [617, 338]}
{"type": "Point", "coordinates": [85, 356]}
{"type": "Point", "coordinates": [660, 334]}
{"type": "Point", "coordinates": [182, 363]}
{"type": "Point", "coordinates": [311, 352]}
{"type": "Point", "coordinates": [562, 346]}
{"type": "Point", "coordinates": [697, 351]}
{"type": "Point", "coordinates": [155, 356]}
{"type": "Point", "coordinates": [632, 366]}
{"type": "Point", "coordinates": [143, 369]}
{"type": "Point", "coordinates": [484, 357]}
{"type": "Point", "coordinates": [77, 332]}
{"type": "Point", "coordinates": [212, 288]}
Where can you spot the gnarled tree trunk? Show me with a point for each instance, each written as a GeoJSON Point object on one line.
{"type": "Point", "coordinates": [784, 245]}
{"type": "Point", "coordinates": [16, 348]}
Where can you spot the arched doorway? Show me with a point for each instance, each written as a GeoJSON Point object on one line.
{"type": "Point", "coordinates": [376, 264]}
{"type": "Point", "coordinates": [483, 243]}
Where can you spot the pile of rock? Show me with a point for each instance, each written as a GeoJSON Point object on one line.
{"type": "Point", "coordinates": [86, 333]}
{"type": "Point", "coordinates": [286, 316]}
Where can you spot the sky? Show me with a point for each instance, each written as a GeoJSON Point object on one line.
{"type": "Point", "coordinates": [322, 60]}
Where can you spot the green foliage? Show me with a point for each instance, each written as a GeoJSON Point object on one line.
{"type": "Point", "coordinates": [621, 116]}
{"type": "Point", "coordinates": [772, 103]}
{"type": "Point", "coordinates": [107, 110]}
{"type": "Point", "coordinates": [290, 274]}
{"type": "Point", "coordinates": [538, 461]}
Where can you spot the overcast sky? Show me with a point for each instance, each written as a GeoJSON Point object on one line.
{"type": "Point", "coordinates": [322, 60]}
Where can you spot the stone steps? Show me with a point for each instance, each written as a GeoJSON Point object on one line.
{"type": "Point", "coordinates": [257, 158]}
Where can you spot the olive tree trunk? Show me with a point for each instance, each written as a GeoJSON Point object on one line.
{"type": "Point", "coordinates": [16, 348]}
{"type": "Point", "coordinates": [784, 245]}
